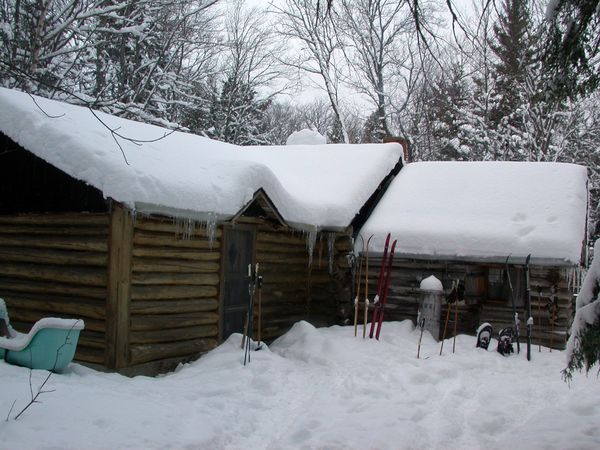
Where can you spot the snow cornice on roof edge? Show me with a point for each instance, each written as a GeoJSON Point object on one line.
{"type": "Point", "coordinates": [310, 187]}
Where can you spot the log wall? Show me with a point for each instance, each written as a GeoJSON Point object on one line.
{"type": "Point", "coordinates": [54, 265]}
{"type": "Point", "coordinates": [295, 288]}
{"type": "Point", "coordinates": [404, 297]}
{"type": "Point", "coordinates": [174, 295]}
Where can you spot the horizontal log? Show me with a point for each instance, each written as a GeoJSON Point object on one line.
{"type": "Point", "coordinates": [29, 286]}
{"type": "Point", "coordinates": [48, 232]}
{"type": "Point", "coordinates": [174, 265]}
{"type": "Point", "coordinates": [173, 334]}
{"type": "Point", "coordinates": [89, 355]}
{"type": "Point", "coordinates": [152, 352]}
{"type": "Point", "coordinates": [281, 238]}
{"type": "Point", "coordinates": [283, 259]}
{"type": "Point", "coordinates": [56, 219]}
{"type": "Point", "coordinates": [170, 227]}
{"type": "Point", "coordinates": [272, 248]}
{"type": "Point", "coordinates": [97, 244]}
{"type": "Point", "coordinates": [66, 257]}
{"type": "Point", "coordinates": [164, 321]}
{"type": "Point", "coordinates": [155, 240]}
{"type": "Point", "coordinates": [65, 274]}
{"type": "Point", "coordinates": [91, 339]}
{"type": "Point", "coordinates": [175, 279]}
{"type": "Point", "coordinates": [49, 303]}
{"type": "Point", "coordinates": [173, 306]}
{"type": "Point", "coordinates": [180, 254]}
{"type": "Point", "coordinates": [162, 292]}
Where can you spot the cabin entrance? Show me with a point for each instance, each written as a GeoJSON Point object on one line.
{"type": "Point", "coordinates": [238, 253]}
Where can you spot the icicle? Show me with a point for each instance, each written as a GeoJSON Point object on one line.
{"type": "Point", "coordinates": [311, 240]}
{"type": "Point", "coordinates": [330, 245]}
{"type": "Point", "coordinates": [211, 228]}
{"type": "Point", "coordinates": [184, 227]}
{"type": "Point", "coordinates": [133, 213]}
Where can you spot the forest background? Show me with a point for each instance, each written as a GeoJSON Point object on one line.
{"type": "Point", "coordinates": [489, 80]}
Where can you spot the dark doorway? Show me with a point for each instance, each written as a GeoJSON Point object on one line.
{"type": "Point", "coordinates": [238, 254]}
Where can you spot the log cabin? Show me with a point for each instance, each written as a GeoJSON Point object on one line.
{"type": "Point", "coordinates": [146, 233]}
{"type": "Point", "coordinates": [475, 223]}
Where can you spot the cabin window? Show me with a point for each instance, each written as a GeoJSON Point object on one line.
{"type": "Point", "coordinates": [499, 286]}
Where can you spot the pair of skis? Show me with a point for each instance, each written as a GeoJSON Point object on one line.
{"type": "Point", "coordinates": [383, 285]}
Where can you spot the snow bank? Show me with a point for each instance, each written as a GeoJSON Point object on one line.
{"type": "Point", "coordinates": [484, 209]}
{"type": "Point", "coordinates": [314, 389]}
{"type": "Point", "coordinates": [311, 186]}
{"type": "Point", "coordinates": [587, 308]}
{"type": "Point", "coordinates": [306, 137]}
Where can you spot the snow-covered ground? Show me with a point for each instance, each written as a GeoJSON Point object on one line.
{"type": "Point", "coordinates": [315, 388]}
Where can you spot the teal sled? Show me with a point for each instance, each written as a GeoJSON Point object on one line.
{"type": "Point", "coordinates": [49, 345]}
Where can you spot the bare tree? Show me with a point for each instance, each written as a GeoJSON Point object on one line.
{"type": "Point", "coordinates": [319, 55]}
{"type": "Point", "coordinates": [373, 30]}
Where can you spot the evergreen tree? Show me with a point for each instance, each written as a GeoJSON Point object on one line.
{"type": "Point", "coordinates": [513, 48]}
{"type": "Point", "coordinates": [237, 115]}
{"type": "Point", "coordinates": [572, 42]}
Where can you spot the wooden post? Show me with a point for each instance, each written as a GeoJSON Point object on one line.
{"type": "Point", "coordinates": [119, 288]}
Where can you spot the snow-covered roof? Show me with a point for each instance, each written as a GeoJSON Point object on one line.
{"type": "Point", "coordinates": [484, 210]}
{"type": "Point", "coordinates": [316, 186]}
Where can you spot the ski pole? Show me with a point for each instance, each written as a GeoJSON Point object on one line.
{"type": "Point", "coordinates": [251, 285]}
{"type": "Point", "coordinates": [358, 281]}
{"type": "Point", "coordinates": [539, 314]}
{"type": "Point", "coordinates": [449, 308]}
{"type": "Point", "coordinates": [421, 322]}
{"type": "Point", "coordinates": [260, 281]}
{"type": "Point", "coordinates": [455, 322]}
{"type": "Point", "coordinates": [529, 318]}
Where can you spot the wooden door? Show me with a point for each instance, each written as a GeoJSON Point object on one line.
{"type": "Point", "coordinates": [238, 254]}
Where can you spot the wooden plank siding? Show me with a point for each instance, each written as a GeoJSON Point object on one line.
{"type": "Point", "coordinates": [404, 296]}
{"type": "Point", "coordinates": [55, 265]}
{"type": "Point", "coordinates": [174, 298]}
{"type": "Point", "coordinates": [293, 289]}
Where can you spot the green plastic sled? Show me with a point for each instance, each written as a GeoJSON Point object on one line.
{"type": "Point", "coordinates": [49, 345]}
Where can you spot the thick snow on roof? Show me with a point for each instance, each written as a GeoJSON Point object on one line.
{"type": "Point", "coordinates": [192, 176]}
{"type": "Point", "coordinates": [484, 210]}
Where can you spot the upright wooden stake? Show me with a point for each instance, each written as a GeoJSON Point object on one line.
{"type": "Point", "coordinates": [260, 281]}
{"type": "Point", "coordinates": [455, 321]}
{"type": "Point", "coordinates": [366, 290]}
{"type": "Point", "coordinates": [447, 317]}
{"type": "Point", "coordinates": [358, 281]}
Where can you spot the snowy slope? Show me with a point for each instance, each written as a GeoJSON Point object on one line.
{"type": "Point", "coordinates": [314, 186]}
{"type": "Point", "coordinates": [484, 209]}
{"type": "Point", "coordinates": [315, 389]}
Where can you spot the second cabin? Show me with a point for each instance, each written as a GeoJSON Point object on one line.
{"type": "Point", "coordinates": [475, 223]}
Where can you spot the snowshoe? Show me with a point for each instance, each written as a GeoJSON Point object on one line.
{"type": "Point", "coordinates": [484, 335]}
{"type": "Point", "coordinates": [505, 338]}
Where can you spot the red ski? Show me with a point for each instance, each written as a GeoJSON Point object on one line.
{"type": "Point", "coordinates": [378, 292]}
{"type": "Point", "coordinates": [388, 277]}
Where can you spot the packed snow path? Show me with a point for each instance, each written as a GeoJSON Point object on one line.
{"type": "Point", "coordinates": [316, 388]}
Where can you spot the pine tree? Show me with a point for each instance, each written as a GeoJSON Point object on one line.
{"type": "Point", "coordinates": [572, 42]}
{"type": "Point", "coordinates": [236, 114]}
{"type": "Point", "coordinates": [513, 49]}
